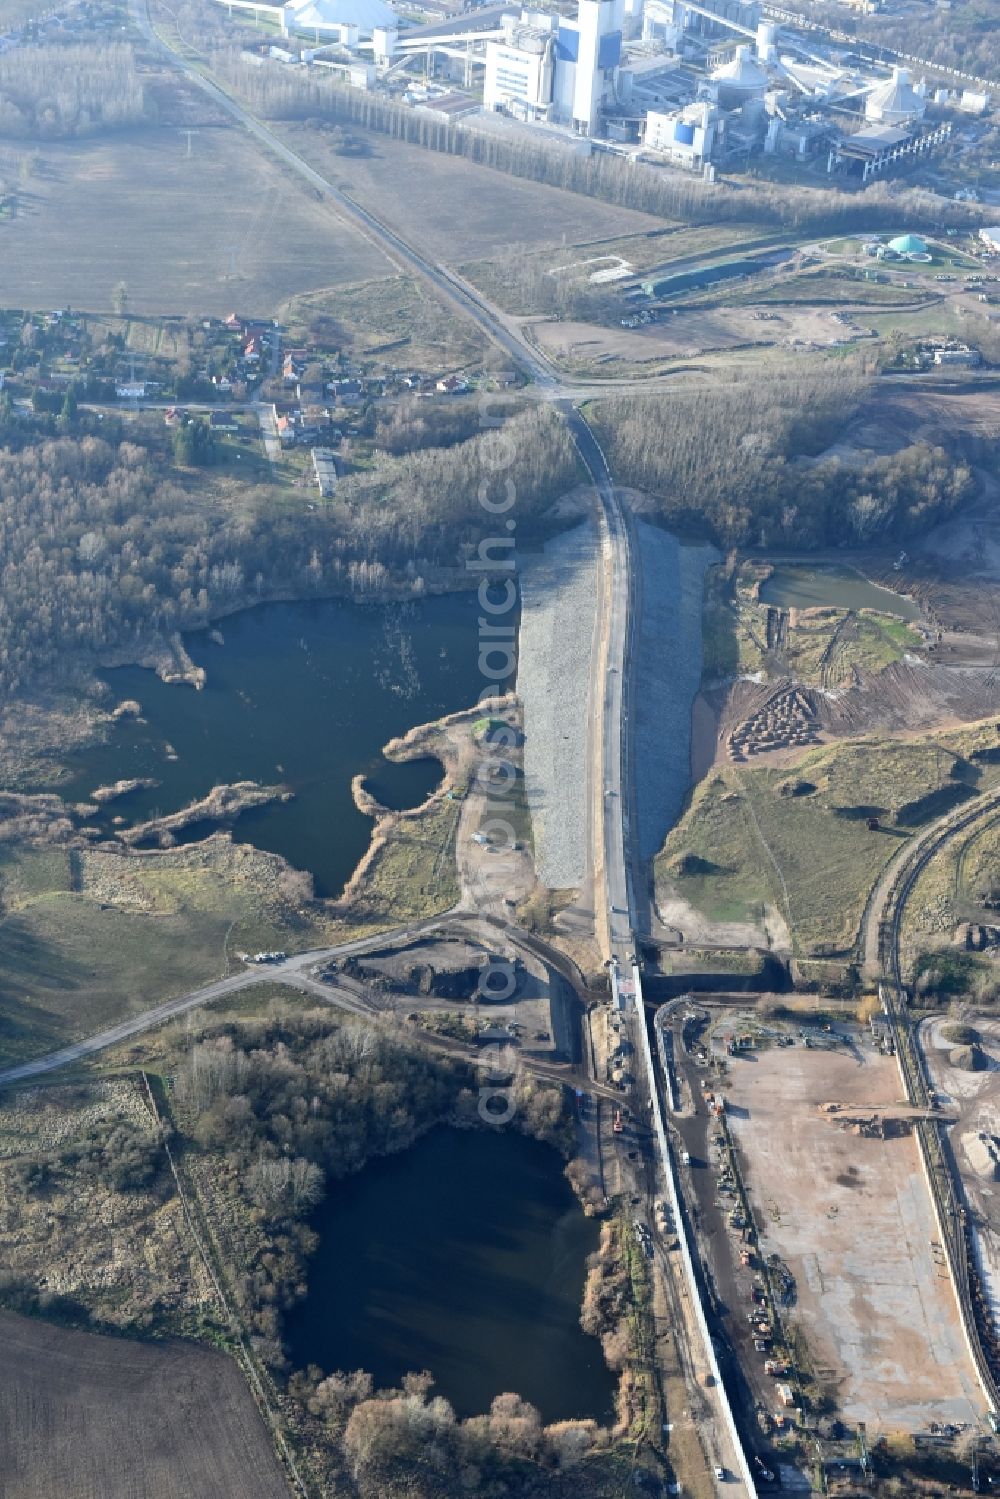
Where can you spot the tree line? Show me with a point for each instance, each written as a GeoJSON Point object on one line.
{"type": "Point", "coordinates": [964, 35]}
{"type": "Point", "coordinates": [286, 1107]}
{"type": "Point", "coordinates": [744, 464]}
{"type": "Point", "coordinates": [73, 90]}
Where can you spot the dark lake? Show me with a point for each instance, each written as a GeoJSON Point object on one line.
{"type": "Point", "coordinates": [465, 1255]}
{"type": "Point", "coordinates": [302, 694]}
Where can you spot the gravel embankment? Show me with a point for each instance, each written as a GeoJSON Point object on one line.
{"type": "Point", "coordinates": [666, 672]}
{"type": "Point", "coordinates": [558, 616]}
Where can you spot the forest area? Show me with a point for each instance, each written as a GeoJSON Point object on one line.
{"type": "Point", "coordinates": [53, 92]}
{"type": "Point", "coordinates": [963, 35]}
{"type": "Point", "coordinates": [239, 1101]}
{"type": "Point", "coordinates": [107, 547]}
{"type": "Point", "coordinates": [743, 464]}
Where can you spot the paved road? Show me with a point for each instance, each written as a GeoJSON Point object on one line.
{"type": "Point", "coordinates": [293, 971]}
{"type": "Point", "coordinates": [343, 992]}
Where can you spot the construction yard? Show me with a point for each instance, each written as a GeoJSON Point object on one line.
{"type": "Point", "coordinates": [688, 332]}
{"type": "Point", "coordinates": [845, 1206]}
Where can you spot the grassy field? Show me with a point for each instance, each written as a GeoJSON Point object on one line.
{"type": "Point", "coordinates": [170, 1421]}
{"type": "Point", "coordinates": [221, 229]}
{"type": "Point", "coordinates": [17, 12]}
{"type": "Point", "coordinates": [514, 279]}
{"type": "Point", "coordinates": [395, 322]}
{"type": "Point", "coordinates": [951, 889]}
{"type": "Point", "coordinates": [412, 873]}
{"type": "Point", "coordinates": [826, 286]}
{"type": "Point", "coordinates": [89, 937]}
{"type": "Point", "coordinates": [798, 839]}
{"type": "Point", "coordinates": [462, 211]}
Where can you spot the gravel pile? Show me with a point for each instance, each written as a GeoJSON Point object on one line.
{"type": "Point", "coordinates": [558, 608]}
{"type": "Point", "coordinates": [666, 673]}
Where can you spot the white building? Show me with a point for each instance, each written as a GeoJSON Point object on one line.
{"type": "Point", "coordinates": [685, 136]}
{"type": "Point", "coordinates": [599, 52]}
{"type": "Point", "coordinates": [519, 70]}
{"type": "Point", "coordinates": [739, 80]}
{"type": "Point", "coordinates": [659, 29]}
{"type": "Point", "coordinates": [550, 68]}
{"type": "Point", "coordinates": [344, 21]}
{"type": "Point", "coordinates": [991, 239]}
{"type": "Point", "coordinates": [973, 102]}
{"type": "Point", "coordinates": [897, 101]}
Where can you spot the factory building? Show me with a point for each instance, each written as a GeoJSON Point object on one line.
{"type": "Point", "coordinates": [687, 82]}
{"type": "Point", "coordinates": [346, 22]}
{"type": "Point", "coordinates": [685, 137]}
{"type": "Point", "coordinates": [557, 70]}
{"type": "Point", "coordinates": [700, 20]}
{"type": "Point", "coordinates": [520, 70]}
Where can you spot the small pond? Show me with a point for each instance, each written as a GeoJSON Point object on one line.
{"type": "Point", "coordinates": [808, 587]}
{"type": "Point", "coordinates": [465, 1255]}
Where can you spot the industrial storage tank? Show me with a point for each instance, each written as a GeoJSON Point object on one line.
{"type": "Point", "coordinates": [908, 244]}
{"type": "Point", "coordinates": [895, 102]}
{"type": "Point", "coordinates": [740, 79]}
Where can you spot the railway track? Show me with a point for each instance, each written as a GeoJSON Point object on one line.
{"type": "Point", "coordinates": [942, 1176]}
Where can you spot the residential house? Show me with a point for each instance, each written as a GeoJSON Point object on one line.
{"type": "Point", "coordinates": [223, 421]}
{"type": "Point", "coordinates": [451, 385]}
{"type": "Point", "coordinates": [294, 364]}
{"type": "Point", "coordinates": [346, 392]}
{"type": "Point", "coordinates": [326, 471]}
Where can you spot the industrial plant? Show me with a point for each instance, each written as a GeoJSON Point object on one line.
{"type": "Point", "coordinates": [698, 86]}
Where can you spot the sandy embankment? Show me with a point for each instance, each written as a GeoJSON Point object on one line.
{"type": "Point", "coordinates": [447, 740]}
{"type": "Point", "coordinates": [558, 620]}
{"type": "Point", "coordinates": [666, 673]}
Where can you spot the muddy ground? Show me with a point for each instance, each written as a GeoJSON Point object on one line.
{"type": "Point", "coordinates": [686, 333]}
